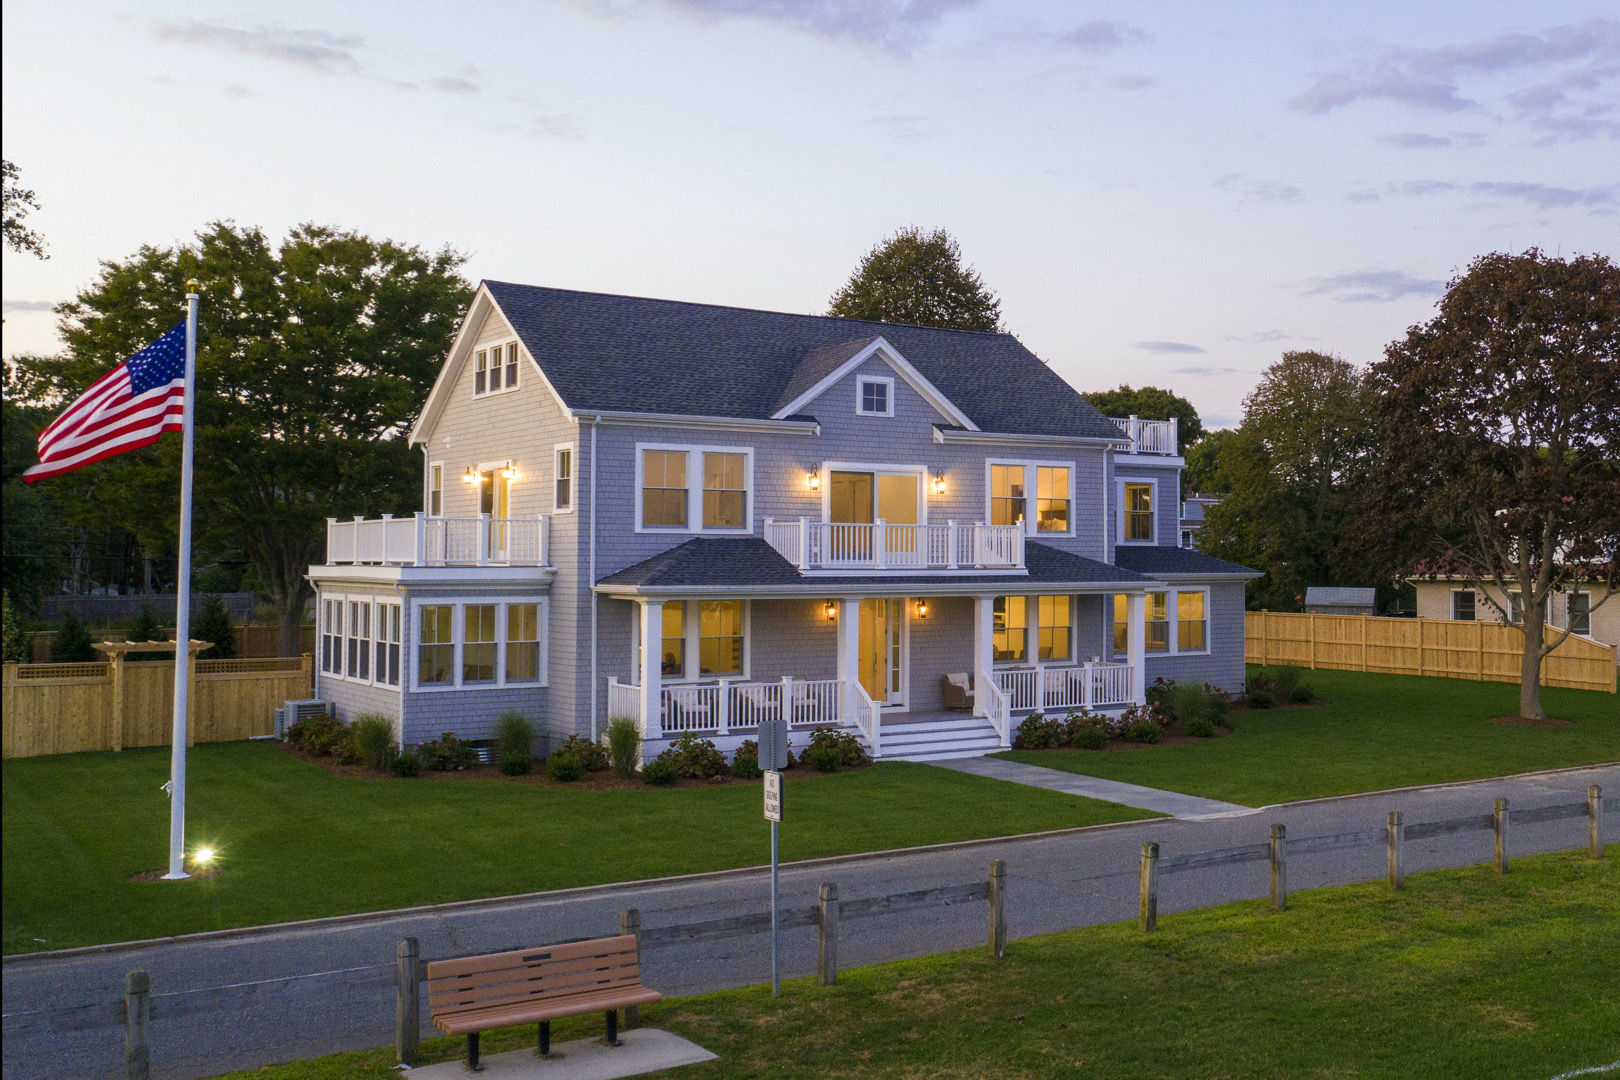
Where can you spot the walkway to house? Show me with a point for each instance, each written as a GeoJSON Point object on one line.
{"type": "Point", "coordinates": [1189, 807]}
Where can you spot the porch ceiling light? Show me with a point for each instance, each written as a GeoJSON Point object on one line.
{"type": "Point", "coordinates": [922, 609]}
{"type": "Point", "coordinates": [830, 609]}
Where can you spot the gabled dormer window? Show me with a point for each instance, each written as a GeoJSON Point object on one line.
{"type": "Point", "coordinates": [495, 369]}
{"type": "Point", "coordinates": [874, 395]}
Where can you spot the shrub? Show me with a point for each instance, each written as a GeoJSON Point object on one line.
{"type": "Point", "coordinates": [1218, 705]}
{"type": "Point", "coordinates": [317, 734]}
{"type": "Point", "coordinates": [1143, 731]}
{"type": "Point", "coordinates": [1303, 694]}
{"type": "Point", "coordinates": [18, 645]}
{"type": "Point", "coordinates": [71, 645]}
{"type": "Point", "coordinates": [593, 756]}
{"type": "Point", "coordinates": [823, 758]}
{"type": "Point", "coordinates": [1258, 681]}
{"type": "Point", "coordinates": [745, 762]}
{"type": "Point", "coordinates": [847, 746]}
{"type": "Point", "coordinates": [445, 753]}
{"type": "Point", "coordinates": [407, 764]}
{"type": "Point", "coordinates": [1156, 693]}
{"type": "Point", "coordinates": [1199, 729]}
{"type": "Point", "coordinates": [1260, 699]}
{"type": "Point", "coordinates": [1039, 733]}
{"type": "Point", "coordinates": [1285, 681]}
{"type": "Point", "coordinates": [514, 734]}
{"type": "Point", "coordinates": [516, 763]}
{"type": "Point", "coordinates": [660, 771]}
{"type": "Point", "coordinates": [1089, 737]}
{"type": "Point", "coordinates": [372, 735]}
{"type": "Point", "coordinates": [214, 625]}
{"type": "Point", "coordinates": [624, 746]}
{"type": "Point", "coordinates": [695, 757]}
{"type": "Point", "coordinates": [344, 751]}
{"type": "Point", "coordinates": [565, 766]}
{"type": "Point", "coordinates": [1188, 703]}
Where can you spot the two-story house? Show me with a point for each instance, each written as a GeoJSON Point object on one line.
{"type": "Point", "coordinates": [701, 516]}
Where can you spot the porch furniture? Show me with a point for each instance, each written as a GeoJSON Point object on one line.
{"type": "Point", "coordinates": [474, 994]}
{"type": "Point", "coordinates": [959, 691]}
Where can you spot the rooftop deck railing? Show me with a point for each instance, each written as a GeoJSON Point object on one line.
{"type": "Point", "coordinates": [822, 545]}
{"type": "Point", "coordinates": [438, 541]}
{"type": "Point", "coordinates": [1149, 436]}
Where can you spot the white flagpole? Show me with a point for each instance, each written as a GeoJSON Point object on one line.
{"type": "Point", "coordinates": [182, 611]}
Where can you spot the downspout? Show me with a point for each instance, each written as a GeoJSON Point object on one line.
{"type": "Point", "coordinates": [590, 587]}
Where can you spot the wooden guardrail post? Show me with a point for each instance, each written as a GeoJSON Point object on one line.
{"type": "Point", "coordinates": [827, 940]}
{"type": "Point", "coordinates": [1397, 835]}
{"type": "Point", "coordinates": [408, 1010]}
{"type": "Point", "coordinates": [1279, 868]}
{"type": "Point", "coordinates": [1499, 839]}
{"type": "Point", "coordinates": [1147, 917]}
{"type": "Point", "coordinates": [630, 923]}
{"type": "Point", "coordinates": [1594, 821]}
{"type": "Point", "coordinates": [998, 908]}
{"type": "Point", "coordinates": [137, 1014]}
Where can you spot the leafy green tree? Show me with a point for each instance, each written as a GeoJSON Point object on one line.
{"type": "Point", "coordinates": [18, 201]}
{"type": "Point", "coordinates": [72, 644]}
{"type": "Point", "coordinates": [1296, 470]}
{"type": "Point", "coordinates": [1499, 421]}
{"type": "Point", "coordinates": [32, 533]}
{"type": "Point", "coordinates": [1151, 403]}
{"type": "Point", "coordinates": [918, 278]}
{"type": "Point", "coordinates": [17, 645]}
{"type": "Point", "coordinates": [214, 624]}
{"type": "Point", "coordinates": [312, 358]}
{"type": "Point", "coordinates": [1206, 470]}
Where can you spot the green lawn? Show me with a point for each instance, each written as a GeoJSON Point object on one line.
{"type": "Point", "coordinates": [298, 842]}
{"type": "Point", "coordinates": [1378, 731]}
{"type": "Point", "coordinates": [1466, 973]}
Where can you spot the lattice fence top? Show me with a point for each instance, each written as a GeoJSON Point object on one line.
{"type": "Point", "coordinates": [269, 663]}
{"type": "Point", "coordinates": [61, 671]}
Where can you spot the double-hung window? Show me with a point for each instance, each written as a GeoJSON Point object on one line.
{"type": "Point", "coordinates": [1039, 493]}
{"type": "Point", "coordinates": [1139, 512]}
{"type": "Point", "coordinates": [387, 653]}
{"type": "Point", "coordinates": [435, 499]}
{"type": "Point", "coordinates": [1051, 499]}
{"type": "Point", "coordinates": [1010, 629]}
{"type": "Point", "coordinates": [672, 650]}
{"type": "Point", "coordinates": [1578, 613]}
{"type": "Point", "coordinates": [359, 663]}
{"type": "Point", "coordinates": [720, 637]}
{"type": "Point", "coordinates": [1191, 622]}
{"type": "Point", "coordinates": [511, 363]}
{"type": "Point", "coordinates": [694, 488]}
{"type": "Point", "coordinates": [1190, 610]}
{"type": "Point", "coordinates": [725, 491]}
{"type": "Point", "coordinates": [563, 498]}
{"type": "Point", "coordinates": [494, 368]}
{"type": "Point", "coordinates": [1462, 605]}
{"type": "Point", "coordinates": [663, 489]}
{"type": "Point", "coordinates": [481, 642]}
{"type": "Point", "coordinates": [436, 651]}
{"type": "Point", "coordinates": [522, 643]}
{"type": "Point", "coordinates": [1055, 623]}
{"type": "Point", "coordinates": [478, 644]}
{"type": "Point", "coordinates": [481, 371]}
{"type": "Point", "coordinates": [332, 637]}
{"type": "Point", "coordinates": [1158, 622]}
{"type": "Point", "coordinates": [1006, 494]}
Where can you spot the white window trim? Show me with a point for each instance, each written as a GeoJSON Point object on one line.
{"type": "Point", "coordinates": [830, 467]}
{"type": "Point", "coordinates": [427, 503]}
{"type": "Point", "coordinates": [861, 382]}
{"type": "Point", "coordinates": [1172, 612]}
{"type": "Point", "coordinates": [1031, 496]}
{"type": "Point", "coordinates": [694, 488]}
{"type": "Point", "coordinates": [458, 630]}
{"type": "Point", "coordinates": [573, 478]}
{"type": "Point", "coordinates": [472, 369]}
{"type": "Point", "coordinates": [1032, 632]}
{"type": "Point", "coordinates": [1453, 596]}
{"type": "Point", "coordinates": [1119, 529]}
{"type": "Point", "coordinates": [692, 635]}
{"type": "Point", "coordinates": [377, 601]}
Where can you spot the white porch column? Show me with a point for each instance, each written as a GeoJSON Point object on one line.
{"type": "Point", "coordinates": [652, 667]}
{"type": "Point", "coordinates": [984, 631]}
{"type": "Point", "coordinates": [1136, 645]}
{"type": "Point", "coordinates": [849, 654]}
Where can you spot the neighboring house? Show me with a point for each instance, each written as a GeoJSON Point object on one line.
{"type": "Point", "coordinates": [1322, 600]}
{"type": "Point", "coordinates": [1458, 598]}
{"type": "Point", "coordinates": [698, 516]}
{"type": "Point", "coordinates": [1193, 506]}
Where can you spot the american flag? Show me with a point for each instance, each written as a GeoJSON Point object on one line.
{"type": "Point", "coordinates": [127, 408]}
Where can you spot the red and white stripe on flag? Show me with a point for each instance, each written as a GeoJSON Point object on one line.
{"type": "Point", "coordinates": [129, 407]}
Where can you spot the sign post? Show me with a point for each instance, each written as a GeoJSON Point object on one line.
{"type": "Point", "coordinates": [773, 755]}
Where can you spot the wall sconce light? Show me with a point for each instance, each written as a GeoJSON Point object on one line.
{"type": "Point", "coordinates": [812, 479]}
{"type": "Point", "coordinates": [830, 609]}
{"type": "Point", "coordinates": [939, 483]}
{"type": "Point", "coordinates": [510, 472]}
{"type": "Point", "coordinates": [470, 476]}
{"type": "Point", "coordinates": [922, 609]}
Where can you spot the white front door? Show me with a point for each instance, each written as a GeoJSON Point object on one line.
{"type": "Point", "coordinates": [883, 650]}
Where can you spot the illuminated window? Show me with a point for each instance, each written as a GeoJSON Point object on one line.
{"type": "Point", "coordinates": [1139, 512]}
{"type": "Point", "coordinates": [1006, 494]}
{"type": "Point", "coordinates": [725, 495]}
{"type": "Point", "coordinates": [522, 643]}
{"type": "Point", "coordinates": [435, 644]}
{"type": "Point", "coordinates": [478, 643]}
{"type": "Point", "coordinates": [1053, 614]}
{"type": "Point", "coordinates": [673, 651]}
{"type": "Point", "coordinates": [1158, 622]}
{"type": "Point", "coordinates": [1190, 622]}
{"type": "Point", "coordinates": [1009, 642]}
{"type": "Point", "coordinates": [720, 637]}
{"type": "Point", "coordinates": [663, 488]}
{"type": "Point", "coordinates": [1051, 499]}
{"type": "Point", "coordinates": [1122, 615]}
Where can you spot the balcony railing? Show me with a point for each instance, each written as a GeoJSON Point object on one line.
{"type": "Point", "coordinates": [821, 545]}
{"type": "Point", "coordinates": [1070, 686]}
{"type": "Point", "coordinates": [1149, 436]}
{"type": "Point", "coordinates": [437, 541]}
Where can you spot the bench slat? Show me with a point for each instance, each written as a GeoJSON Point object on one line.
{"type": "Point", "coordinates": [468, 965]}
{"type": "Point", "coordinates": [539, 976]}
{"type": "Point", "coordinates": [534, 1012]}
{"type": "Point", "coordinates": [582, 982]}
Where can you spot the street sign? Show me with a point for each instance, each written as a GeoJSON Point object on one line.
{"type": "Point", "coordinates": [773, 744]}
{"type": "Point", "coordinates": [773, 796]}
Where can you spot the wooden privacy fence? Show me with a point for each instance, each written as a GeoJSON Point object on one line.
{"type": "Point", "coordinates": [1449, 648]}
{"type": "Point", "coordinates": [67, 708]}
{"type": "Point", "coordinates": [252, 642]}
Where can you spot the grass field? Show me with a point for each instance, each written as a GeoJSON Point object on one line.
{"type": "Point", "coordinates": [299, 842]}
{"type": "Point", "coordinates": [1465, 974]}
{"type": "Point", "coordinates": [1377, 731]}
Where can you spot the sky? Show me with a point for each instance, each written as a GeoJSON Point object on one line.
{"type": "Point", "coordinates": [1160, 193]}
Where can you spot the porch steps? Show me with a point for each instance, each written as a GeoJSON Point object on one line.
{"type": "Point", "coordinates": [939, 740]}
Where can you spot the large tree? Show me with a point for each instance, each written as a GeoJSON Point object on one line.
{"type": "Point", "coordinates": [1295, 468]}
{"type": "Point", "coordinates": [1206, 470]}
{"type": "Point", "coordinates": [917, 277]}
{"type": "Point", "coordinates": [312, 357]}
{"type": "Point", "coordinates": [1151, 403]}
{"type": "Point", "coordinates": [1500, 437]}
{"type": "Point", "coordinates": [15, 203]}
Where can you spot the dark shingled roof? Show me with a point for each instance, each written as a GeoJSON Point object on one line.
{"type": "Point", "coordinates": [624, 353]}
{"type": "Point", "coordinates": [705, 562]}
{"type": "Point", "coordinates": [1174, 560]}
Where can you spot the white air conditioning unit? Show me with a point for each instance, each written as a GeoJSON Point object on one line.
{"type": "Point", "coordinates": [294, 711]}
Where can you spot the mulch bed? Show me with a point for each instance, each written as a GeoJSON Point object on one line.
{"type": "Point", "coordinates": [1525, 721]}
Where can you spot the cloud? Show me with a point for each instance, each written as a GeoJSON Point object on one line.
{"type": "Point", "coordinates": [20, 306]}
{"type": "Point", "coordinates": [1373, 286]}
{"type": "Point", "coordinates": [896, 25]}
{"type": "Point", "coordinates": [453, 84]}
{"type": "Point", "coordinates": [1269, 191]}
{"type": "Point", "coordinates": [1131, 82]}
{"type": "Point", "coordinates": [313, 50]}
{"type": "Point", "coordinates": [1168, 346]}
{"type": "Point", "coordinates": [1206, 372]}
{"type": "Point", "coordinates": [1547, 198]}
{"type": "Point", "coordinates": [556, 126]}
{"type": "Point", "coordinates": [1415, 140]}
{"type": "Point", "coordinates": [1100, 36]}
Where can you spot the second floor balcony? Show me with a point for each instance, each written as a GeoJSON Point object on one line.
{"type": "Point", "coordinates": [844, 546]}
{"type": "Point", "coordinates": [1150, 436]}
{"type": "Point", "coordinates": [439, 541]}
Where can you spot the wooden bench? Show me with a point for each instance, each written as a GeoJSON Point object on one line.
{"type": "Point", "coordinates": [473, 994]}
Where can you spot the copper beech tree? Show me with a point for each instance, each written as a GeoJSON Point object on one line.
{"type": "Point", "coordinates": [1499, 428]}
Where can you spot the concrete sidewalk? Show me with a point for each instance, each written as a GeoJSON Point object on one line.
{"type": "Point", "coordinates": [1186, 807]}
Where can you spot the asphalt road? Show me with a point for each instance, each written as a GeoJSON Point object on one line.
{"type": "Point", "coordinates": [1053, 883]}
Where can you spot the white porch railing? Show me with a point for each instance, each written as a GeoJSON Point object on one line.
{"type": "Point", "coordinates": [868, 718]}
{"type": "Point", "coordinates": [1149, 436]}
{"type": "Point", "coordinates": [725, 707]}
{"type": "Point", "coordinates": [998, 710]}
{"type": "Point", "coordinates": [437, 541]}
{"type": "Point", "coordinates": [823, 545]}
{"type": "Point", "coordinates": [1069, 686]}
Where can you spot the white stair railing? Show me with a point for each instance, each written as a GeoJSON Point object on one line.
{"type": "Point", "coordinates": [998, 711]}
{"type": "Point", "coordinates": [868, 718]}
